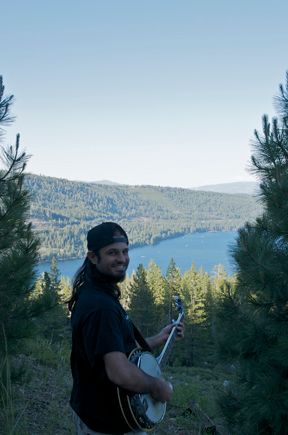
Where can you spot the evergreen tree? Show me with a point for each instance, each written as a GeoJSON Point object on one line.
{"type": "Point", "coordinates": [18, 257]}
{"type": "Point", "coordinates": [142, 310]}
{"type": "Point", "coordinates": [156, 283]}
{"type": "Point", "coordinates": [54, 274]}
{"type": "Point", "coordinates": [53, 322]}
{"type": "Point", "coordinates": [257, 334]}
{"type": "Point", "coordinates": [173, 288]}
{"type": "Point", "coordinates": [196, 285]}
{"type": "Point", "coordinates": [125, 292]}
{"type": "Point", "coordinates": [222, 315]}
{"type": "Point", "coordinates": [18, 245]}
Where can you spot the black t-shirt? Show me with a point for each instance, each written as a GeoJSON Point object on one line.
{"type": "Point", "coordinates": [99, 325]}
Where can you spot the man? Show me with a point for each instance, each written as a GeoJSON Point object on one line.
{"type": "Point", "coordinates": [103, 337]}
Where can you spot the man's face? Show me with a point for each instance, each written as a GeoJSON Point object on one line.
{"type": "Point", "coordinates": [113, 260]}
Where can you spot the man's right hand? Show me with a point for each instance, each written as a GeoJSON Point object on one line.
{"type": "Point", "coordinates": [127, 375]}
{"type": "Point", "coordinates": [162, 390]}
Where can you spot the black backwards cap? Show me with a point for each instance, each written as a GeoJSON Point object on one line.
{"type": "Point", "coordinates": [105, 234]}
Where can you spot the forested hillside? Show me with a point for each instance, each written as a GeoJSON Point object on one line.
{"type": "Point", "coordinates": [62, 211]}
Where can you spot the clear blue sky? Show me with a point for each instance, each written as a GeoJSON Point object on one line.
{"type": "Point", "coordinates": [155, 92]}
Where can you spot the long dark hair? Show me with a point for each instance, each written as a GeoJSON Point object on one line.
{"type": "Point", "coordinates": [88, 274]}
{"type": "Point", "coordinates": [79, 279]}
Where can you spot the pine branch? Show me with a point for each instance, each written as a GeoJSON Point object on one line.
{"type": "Point", "coordinates": [5, 104]}
{"type": "Point", "coordinates": [14, 161]}
{"type": "Point", "coordinates": [281, 102]}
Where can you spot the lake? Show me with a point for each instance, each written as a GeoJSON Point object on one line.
{"type": "Point", "coordinates": [205, 250]}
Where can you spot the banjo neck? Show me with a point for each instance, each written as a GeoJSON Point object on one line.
{"type": "Point", "coordinates": [164, 355]}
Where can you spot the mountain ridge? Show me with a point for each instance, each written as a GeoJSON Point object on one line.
{"type": "Point", "coordinates": [232, 187]}
{"type": "Point", "coordinates": [62, 211]}
{"type": "Point", "coordinates": [235, 187]}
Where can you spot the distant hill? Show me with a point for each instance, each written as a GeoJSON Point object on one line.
{"type": "Point", "coordinates": [248, 187]}
{"type": "Point", "coordinates": [62, 211]}
{"type": "Point", "coordinates": [107, 182]}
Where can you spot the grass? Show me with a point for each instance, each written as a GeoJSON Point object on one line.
{"type": "Point", "coordinates": [6, 397]}
{"type": "Point", "coordinates": [9, 422]}
{"type": "Point", "coordinates": [194, 409]}
{"type": "Point", "coordinates": [41, 401]}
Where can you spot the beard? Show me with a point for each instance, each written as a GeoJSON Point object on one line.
{"type": "Point", "coordinates": [114, 278]}
{"type": "Point", "coordinates": [108, 278]}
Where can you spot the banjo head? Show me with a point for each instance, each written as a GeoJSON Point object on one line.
{"type": "Point", "coordinates": [155, 410]}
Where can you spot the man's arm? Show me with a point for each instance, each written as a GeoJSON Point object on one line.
{"type": "Point", "coordinates": [127, 375]}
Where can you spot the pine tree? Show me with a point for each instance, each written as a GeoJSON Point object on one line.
{"type": "Point", "coordinates": [257, 402]}
{"type": "Point", "coordinates": [196, 285]}
{"type": "Point", "coordinates": [18, 256]}
{"type": "Point", "coordinates": [142, 310]}
{"type": "Point", "coordinates": [18, 244]}
{"type": "Point", "coordinates": [222, 315]}
{"type": "Point", "coordinates": [54, 274]}
{"type": "Point", "coordinates": [156, 283]}
{"type": "Point", "coordinates": [173, 288]}
{"type": "Point", "coordinates": [53, 322]}
{"type": "Point", "coordinates": [125, 291]}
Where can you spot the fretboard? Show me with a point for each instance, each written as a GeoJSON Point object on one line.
{"type": "Point", "coordinates": [164, 355]}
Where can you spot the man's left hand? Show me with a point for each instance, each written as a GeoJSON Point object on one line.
{"type": "Point", "coordinates": [162, 336]}
{"type": "Point", "coordinates": [165, 332]}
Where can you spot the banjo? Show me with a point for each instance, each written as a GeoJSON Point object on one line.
{"type": "Point", "coordinates": [141, 411]}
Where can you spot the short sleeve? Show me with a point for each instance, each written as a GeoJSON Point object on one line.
{"type": "Point", "coordinates": [102, 333]}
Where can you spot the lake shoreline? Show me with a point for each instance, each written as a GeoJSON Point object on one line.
{"type": "Point", "coordinates": [136, 245]}
{"type": "Point", "coordinates": [204, 250]}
